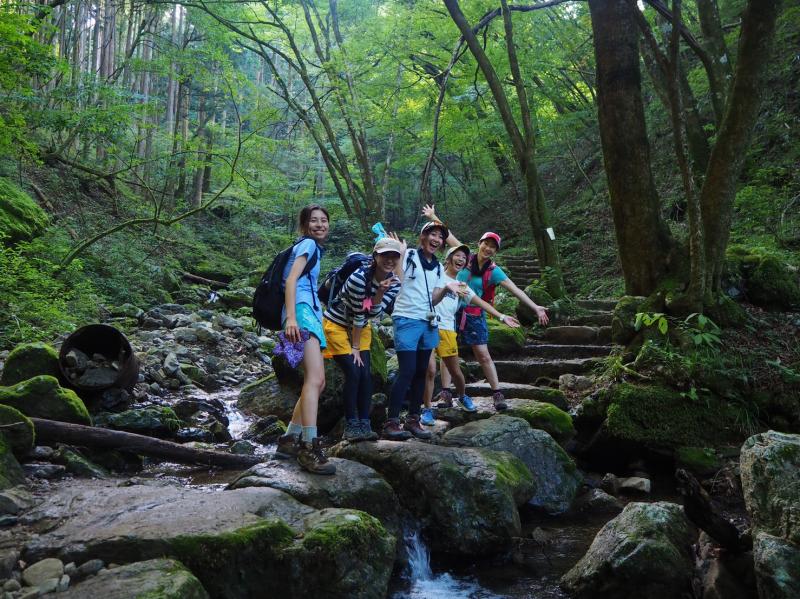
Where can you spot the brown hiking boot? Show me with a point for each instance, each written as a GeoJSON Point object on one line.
{"type": "Point", "coordinates": [445, 398]}
{"type": "Point", "coordinates": [499, 401]}
{"type": "Point", "coordinates": [288, 447]}
{"type": "Point", "coordinates": [312, 458]}
{"type": "Point", "coordinates": [393, 431]}
{"type": "Point", "coordinates": [413, 426]}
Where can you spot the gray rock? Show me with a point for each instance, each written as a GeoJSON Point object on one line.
{"type": "Point", "coordinates": [48, 586]}
{"type": "Point", "coordinates": [15, 500]}
{"type": "Point", "coordinates": [777, 563]}
{"type": "Point", "coordinates": [643, 552]}
{"type": "Point", "coordinates": [8, 561]}
{"type": "Point", "coordinates": [243, 447]}
{"type": "Point", "coordinates": [90, 568]}
{"type": "Point", "coordinates": [171, 364]}
{"type": "Point", "coordinates": [44, 471]}
{"type": "Point", "coordinates": [770, 467]}
{"type": "Point", "coordinates": [597, 501]}
{"type": "Point", "coordinates": [634, 484]}
{"type": "Point", "coordinates": [465, 499]}
{"type": "Point", "coordinates": [355, 486]}
{"type": "Point", "coordinates": [232, 541]}
{"type": "Point", "coordinates": [555, 476]}
{"type": "Point", "coordinates": [157, 577]}
{"type": "Point", "coordinates": [226, 322]}
{"type": "Point", "coordinates": [37, 573]}
{"type": "Point", "coordinates": [185, 335]}
{"type": "Point", "coordinates": [63, 584]}
{"type": "Point", "coordinates": [12, 585]}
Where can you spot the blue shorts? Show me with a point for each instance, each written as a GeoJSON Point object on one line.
{"type": "Point", "coordinates": [476, 331]}
{"type": "Point", "coordinates": [307, 319]}
{"type": "Point", "coordinates": [411, 334]}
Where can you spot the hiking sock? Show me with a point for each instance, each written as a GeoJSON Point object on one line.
{"type": "Point", "coordinates": [294, 429]}
{"type": "Point", "coordinates": [309, 432]}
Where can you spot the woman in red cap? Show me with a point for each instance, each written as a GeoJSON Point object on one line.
{"type": "Point", "coordinates": [483, 276]}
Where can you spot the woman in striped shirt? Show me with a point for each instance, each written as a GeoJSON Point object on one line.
{"type": "Point", "coordinates": [363, 296]}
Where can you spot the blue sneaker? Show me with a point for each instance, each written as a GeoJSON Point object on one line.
{"type": "Point", "coordinates": [466, 403]}
{"type": "Point", "coordinates": [426, 417]}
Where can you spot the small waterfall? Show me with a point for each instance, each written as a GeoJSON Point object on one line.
{"type": "Point", "coordinates": [419, 558]}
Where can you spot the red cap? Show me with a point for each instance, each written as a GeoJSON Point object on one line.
{"type": "Point", "coordinates": [494, 236]}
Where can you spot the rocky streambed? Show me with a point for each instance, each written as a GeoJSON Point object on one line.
{"type": "Point", "coordinates": [496, 502]}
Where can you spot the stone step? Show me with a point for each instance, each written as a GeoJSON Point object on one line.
{"type": "Point", "coordinates": [524, 274]}
{"type": "Point", "coordinates": [595, 319]}
{"type": "Point", "coordinates": [519, 391]}
{"type": "Point", "coordinates": [597, 304]}
{"type": "Point", "coordinates": [555, 351]}
{"type": "Point", "coordinates": [576, 335]}
{"type": "Point", "coordinates": [509, 260]}
{"type": "Point", "coordinates": [529, 371]}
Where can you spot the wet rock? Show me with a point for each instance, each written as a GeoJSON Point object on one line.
{"type": "Point", "coordinates": [232, 541]}
{"type": "Point", "coordinates": [43, 570]}
{"type": "Point", "coordinates": [464, 498]}
{"type": "Point", "coordinates": [164, 578]}
{"type": "Point", "coordinates": [15, 500]}
{"type": "Point", "coordinates": [597, 501]}
{"type": "Point", "coordinates": [555, 476]}
{"type": "Point", "coordinates": [44, 471]}
{"type": "Point", "coordinates": [42, 397]}
{"type": "Point", "coordinates": [194, 433]}
{"type": "Point", "coordinates": [355, 486]}
{"type": "Point", "coordinates": [242, 447]}
{"type": "Point", "coordinates": [265, 430]}
{"type": "Point", "coordinates": [29, 360]}
{"type": "Point", "coordinates": [777, 563]}
{"type": "Point", "coordinates": [78, 465]}
{"type": "Point", "coordinates": [643, 552]}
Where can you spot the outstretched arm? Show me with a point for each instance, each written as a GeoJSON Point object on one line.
{"type": "Point", "coordinates": [541, 312]}
{"type": "Point", "coordinates": [506, 320]}
{"type": "Point", "coordinates": [429, 213]}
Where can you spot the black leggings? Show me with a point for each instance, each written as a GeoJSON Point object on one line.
{"type": "Point", "coordinates": [412, 366]}
{"type": "Point", "coordinates": [357, 386]}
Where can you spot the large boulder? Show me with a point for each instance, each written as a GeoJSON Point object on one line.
{"type": "Point", "coordinates": [29, 360]}
{"type": "Point", "coordinates": [21, 218]}
{"type": "Point", "coordinates": [154, 421]}
{"type": "Point", "coordinates": [540, 296]}
{"type": "Point", "coordinates": [504, 340]}
{"type": "Point", "coordinates": [777, 565]}
{"type": "Point", "coordinates": [355, 486]}
{"type": "Point", "coordinates": [545, 416]}
{"type": "Point", "coordinates": [11, 473]}
{"type": "Point", "coordinates": [768, 280]}
{"type": "Point", "coordinates": [18, 430]}
{"type": "Point", "coordinates": [268, 397]}
{"type": "Point", "coordinates": [643, 552]}
{"type": "Point", "coordinates": [465, 499]}
{"type": "Point", "coordinates": [555, 476]}
{"type": "Point", "coordinates": [42, 397]}
{"type": "Point", "coordinates": [162, 578]}
{"type": "Point", "coordinates": [233, 541]}
{"type": "Point", "coordinates": [770, 467]}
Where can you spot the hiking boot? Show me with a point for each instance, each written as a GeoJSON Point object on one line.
{"type": "Point", "coordinates": [393, 431]}
{"type": "Point", "coordinates": [365, 431]}
{"type": "Point", "coordinates": [312, 458]}
{"type": "Point", "coordinates": [413, 426]}
{"type": "Point", "coordinates": [465, 401]}
{"type": "Point", "coordinates": [445, 399]}
{"type": "Point", "coordinates": [499, 401]}
{"type": "Point", "coordinates": [288, 447]}
{"type": "Point", "coordinates": [426, 417]}
{"type": "Point", "coordinates": [352, 430]}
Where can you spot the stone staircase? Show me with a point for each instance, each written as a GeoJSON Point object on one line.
{"type": "Point", "coordinates": [521, 269]}
{"type": "Point", "coordinates": [570, 348]}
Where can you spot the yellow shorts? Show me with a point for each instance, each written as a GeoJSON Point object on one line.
{"type": "Point", "coordinates": [339, 339]}
{"type": "Point", "coordinates": [448, 345]}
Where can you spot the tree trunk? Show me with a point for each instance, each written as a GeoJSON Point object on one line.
{"type": "Point", "coordinates": [733, 139]}
{"type": "Point", "coordinates": [643, 239]}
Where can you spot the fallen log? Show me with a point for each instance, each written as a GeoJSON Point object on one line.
{"type": "Point", "coordinates": [203, 281]}
{"type": "Point", "coordinates": [48, 431]}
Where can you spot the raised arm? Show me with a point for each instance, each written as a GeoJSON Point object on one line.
{"type": "Point", "coordinates": [429, 213]}
{"type": "Point", "coordinates": [541, 312]}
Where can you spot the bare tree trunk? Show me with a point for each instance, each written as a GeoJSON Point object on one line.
{"type": "Point", "coordinates": [643, 239]}
{"type": "Point", "coordinates": [714, 39]}
{"type": "Point", "coordinates": [171, 87]}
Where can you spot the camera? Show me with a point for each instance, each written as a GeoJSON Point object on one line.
{"type": "Point", "coordinates": [433, 319]}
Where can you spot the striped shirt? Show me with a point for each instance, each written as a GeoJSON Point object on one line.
{"type": "Point", "coordinates": [348, 307]}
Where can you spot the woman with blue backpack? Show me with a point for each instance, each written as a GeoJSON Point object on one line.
{"type": "Point", "coordinates": [302, 325]}
{"type": "Point", "coordinates": [370, 286]}
{"type": "Point", "coordinates": [483, 276]}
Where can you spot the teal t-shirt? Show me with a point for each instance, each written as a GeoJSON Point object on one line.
{"type": "Point", "coordinates": [475, 282]}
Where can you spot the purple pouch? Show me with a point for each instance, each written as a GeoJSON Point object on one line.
{"type": "Point", "coordinates": [293, 352]}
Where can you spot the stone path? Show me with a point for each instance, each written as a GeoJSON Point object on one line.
{"type": "Point", "coordinates": [521, 269]}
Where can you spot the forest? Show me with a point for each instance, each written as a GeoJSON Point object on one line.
{"type": "Point", "coordinates": [640, 160]}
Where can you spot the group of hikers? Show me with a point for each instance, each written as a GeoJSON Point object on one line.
{"type": "Point", "coordinates": [430, 304]}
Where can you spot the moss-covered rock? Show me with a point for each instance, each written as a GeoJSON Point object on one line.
{"type": "Point", "coordinates": [18, 430]}
{"type": "Point", "coordinates": [11, 473]}
{"type": "Point", "coordinates": [29, 360]}
{"type": "Point", "coordinates": [21, 218]}
{"type": "Point", "coordinates": [702, 460]}
{"type": "Point", "coordinates": [538, 293]}
{"type": "Point", "coordinates": [622, 323]}
{"type": "Point", "coordinates": [78, 465]}
{"type": "Point", "coordinates": [768, 281]}
{"type": "Point", "coordinates": [504, 340]}
{"type": "Point", "coordinates": [42, 397]}
{"type": "Point", "coordinates": [377, 356]}
{"type": "Point", "coordinates": [546, 417]}
{"type": "Point", "coordinates": [661, 418]}
{"type": "Point", "coordinates": [154, 421]}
